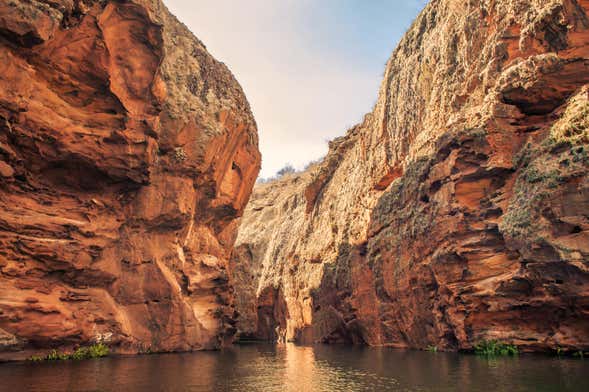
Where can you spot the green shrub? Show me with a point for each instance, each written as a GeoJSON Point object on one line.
{"type": "Point", "coordinates": [56, 356]}
{"type": "Point", "coordinates": [494, 348]}
{"type": "Point", "coordinates": [95, 351]}
{"type": "Point", "coordinates": [432, 349]}
{"type": "Point", "coordinates": [99, 350]}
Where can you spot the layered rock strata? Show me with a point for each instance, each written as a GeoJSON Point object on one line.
{"type": "Point", "coordinates": [457, 211]}
{"type": "Point", "coordinates": [126, 154]}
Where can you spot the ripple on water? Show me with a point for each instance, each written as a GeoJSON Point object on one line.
{"type": "Point", "coordinates": [285, 368]}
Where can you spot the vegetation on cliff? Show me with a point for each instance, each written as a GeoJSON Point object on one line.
{"type": "Point", "coordinates": [98, 350]}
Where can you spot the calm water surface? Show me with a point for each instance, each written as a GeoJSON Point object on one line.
{"type": "Point", "coordinates": [294, 368]}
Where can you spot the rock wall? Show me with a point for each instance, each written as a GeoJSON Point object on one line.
{"type": "Point", "coordinates": [126, 154]}
{"type": "Point", "coordinates": [457, 211]}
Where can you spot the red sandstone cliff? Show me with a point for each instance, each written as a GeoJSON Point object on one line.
{"type": "Point", "coordinates": [126, 154]}
{"type": "Point", "coordinates": [457, 211]}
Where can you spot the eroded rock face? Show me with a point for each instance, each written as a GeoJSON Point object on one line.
{"type": "Point", "coordinates": [126, 154]}
{"type": "Point", "coordinates": [457, 210]}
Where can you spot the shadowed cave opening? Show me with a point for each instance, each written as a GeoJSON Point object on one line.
{"type": "Point", "coordinates": [272, 315]}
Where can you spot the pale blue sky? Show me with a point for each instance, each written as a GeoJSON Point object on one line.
{"type": "Point", "coordinates": [310, 68]}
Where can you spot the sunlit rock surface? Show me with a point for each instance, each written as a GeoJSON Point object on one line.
{"type": "Point", "coordinates": [456, 212]}
{"type": "Point", "coordinates": [126, 154]}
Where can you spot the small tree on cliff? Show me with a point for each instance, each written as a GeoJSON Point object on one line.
{"type": "Point", "coordinates": [288, 169]}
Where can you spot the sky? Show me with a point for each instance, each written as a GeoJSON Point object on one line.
{"type": "Point", "coordinates": [310, 69]}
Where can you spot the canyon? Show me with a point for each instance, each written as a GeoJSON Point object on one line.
{"type": "Point", "coordinates": [127, 154]}
{"type": "Point", "coordinates": [456, 212]}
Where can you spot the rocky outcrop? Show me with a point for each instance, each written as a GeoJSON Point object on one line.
{"type": "Point", "coordinates": [126, 154]}
{"type": "Point", "coordinates": [457, 211]}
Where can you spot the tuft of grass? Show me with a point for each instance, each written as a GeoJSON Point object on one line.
{"type": "Point", "coordinates": [579, 354]}
{"type": "Point", "coordinates": [432, 349]}
{"type": "Point", "coordinates": [57, 356]}
{"type": "Point", "coordinates": [495, 348]}
{"type": "Point", "coordinates": [95, 351]}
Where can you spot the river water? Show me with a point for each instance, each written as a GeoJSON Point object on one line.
{"type": "Point", "coordinates": [259, 367]}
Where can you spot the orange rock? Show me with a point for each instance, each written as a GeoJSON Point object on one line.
{"type": "Point", "coordinates": [457, 210]}
{"type": "Point", "coordinates": [126, 155]}
{"type": "Point", "coordinates": [6, 170]}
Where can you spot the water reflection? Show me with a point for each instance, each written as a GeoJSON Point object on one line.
{"type": "Point", "coordinates": [294, 368]}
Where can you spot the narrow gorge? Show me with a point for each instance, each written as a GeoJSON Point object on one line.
{"type": "Point", "coordinates": [456, 212]}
